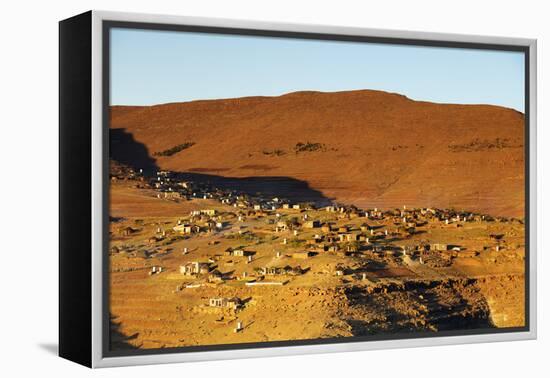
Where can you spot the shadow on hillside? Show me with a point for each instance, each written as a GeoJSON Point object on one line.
{"type": "Point", "coordinates": [117, 340]}
{"type": "Point", "coordinates": [268, 187]}
{"type": "Point", "coordinates": [125, 149]}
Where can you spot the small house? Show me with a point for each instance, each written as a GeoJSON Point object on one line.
{"type": "Point", "coordinates": [172, 195]}
{"type": "Point", "coordinates": [210, 224]}
{"type": "Point", "coordinates": [438, 247]}
{"type": "Point", "coordinates": [326, 228]}
{"type": "Point", "coordinates": [269, 271]}
{"type": "Point", "coordinates": [194, 268]}
{"type": "Point", "coordinates": [209, 212]}
{"type": "Point", "coordinates": [215, 276]}
{"type": "Point", "coordinates": [331, 248]}
{"type": "Point", "coordinates": [187, 228]}
{"type": "Point", "coordinates": [312, 224]}
{"type": "Point", "coordinates": [343, 229]}
{"type": "Point", "coordinates": [228, 303]}
{"type": "Point", "coordinates": [238, 252]}
{"type": "Point", "coordinates": [315, 240]}
{"type": "Point", "coordinates": [366, 227]}
{"type": "Point", "coordinates": [349, 237]}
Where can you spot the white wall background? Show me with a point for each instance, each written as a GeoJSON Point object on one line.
{"type": "Point", "coordinates": [28, 155]}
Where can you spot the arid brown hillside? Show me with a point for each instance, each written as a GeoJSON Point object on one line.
{"type": "Point", "coordinates": [368, 148]}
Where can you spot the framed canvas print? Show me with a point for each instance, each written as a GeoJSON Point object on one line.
{"type": "Point", "coordinates": [233, 189]}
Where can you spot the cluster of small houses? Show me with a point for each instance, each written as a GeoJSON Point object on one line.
{"type": "Point", "coordinates": [398, 224]}
{"type": "Point", "coordinates": [209, 271]}
{"type": "Point", "coordinates": [342, 239]}
{"type": "Point", "coordinates": [170, 186]}
{"type": "Point", "coordinates": [346, 240]}
{"type": "Point", "coordinates": [368, 236]}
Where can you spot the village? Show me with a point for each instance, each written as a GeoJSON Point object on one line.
{"type": "Point", "coordinates": [224, 266]}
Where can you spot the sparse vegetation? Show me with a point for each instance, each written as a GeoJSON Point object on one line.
{"type": "Point", "coordinates": [309, 147]}
{"type": "Point", "coordinates": [398, 147]}
{"type": "Point", "coordinates": [247, 237]}
{"type": "Point", "coordinates": [276, 152]}
{"type": "Point", "coordinates": [174, 150]}
{"type": "Point", "coordinates": [482, 145]}
{"type": "Point", "coordinates": [296, 243]}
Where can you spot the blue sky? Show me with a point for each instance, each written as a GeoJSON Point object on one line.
{"type": "Point", "coordinates": [154, 67]}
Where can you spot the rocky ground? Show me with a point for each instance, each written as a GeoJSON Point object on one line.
{"type": "Point", "coordinates": [338, 295]}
